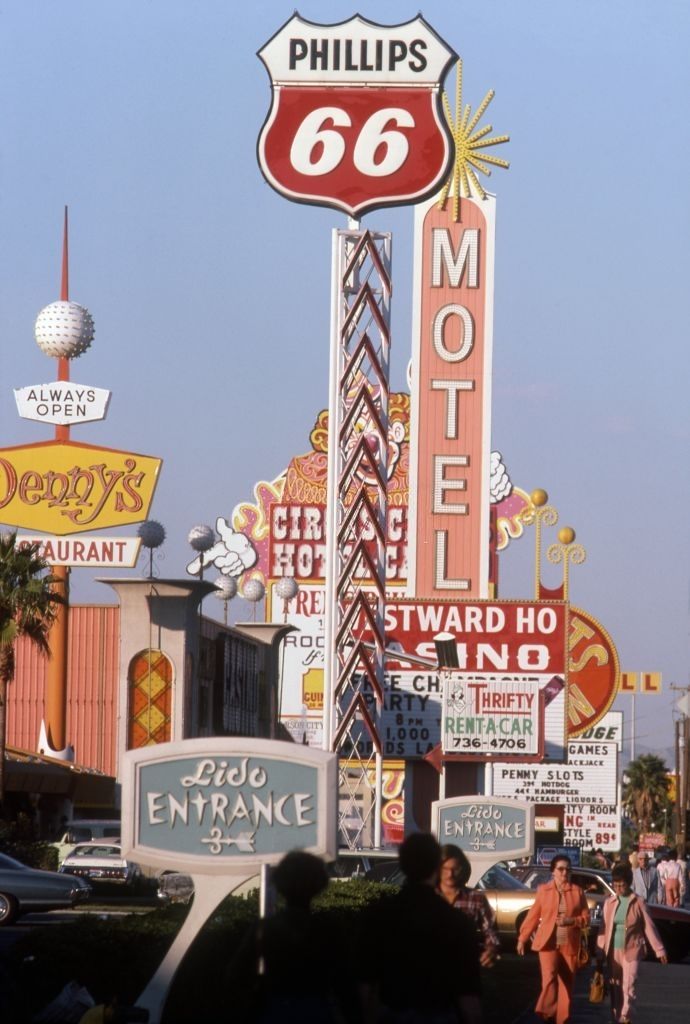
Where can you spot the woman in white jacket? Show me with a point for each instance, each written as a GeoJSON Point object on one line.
{"type": "Point", "coordinates": [623, 941]}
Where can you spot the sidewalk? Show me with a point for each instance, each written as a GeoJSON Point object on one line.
{"type": "Point", "coordinates": [663, 994]}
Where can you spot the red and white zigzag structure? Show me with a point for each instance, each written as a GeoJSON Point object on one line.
{"type": "Point", "coordinates": [357, 478]}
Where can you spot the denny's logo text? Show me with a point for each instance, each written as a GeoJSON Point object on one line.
{"type": "Point", "coordinates": [63, 487]}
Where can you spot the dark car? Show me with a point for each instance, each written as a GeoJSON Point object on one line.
{"type": "Point", "coordinates": [672, 923]}
{"type": "Point", "coordinates": [25, 890]}
{"type": "Point", "coordinates": [361, 863]}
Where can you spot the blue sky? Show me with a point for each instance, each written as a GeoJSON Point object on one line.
{"type": "Point", "coordinates": [210, 292]}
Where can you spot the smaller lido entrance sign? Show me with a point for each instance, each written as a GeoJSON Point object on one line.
{"type": "Point", "coordinates": [219, 809]}
{"type": "Point", "coordinates": [487, 829]}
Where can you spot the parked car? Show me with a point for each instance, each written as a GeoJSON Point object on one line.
{"type": "Point", "coordinates": [358, 863]}
{"type": "Point", "coordinates": [509, 898]}
{"type": "Point", "coordinates": [175, 887]}
{"type": "Point", "coordinates": [25, 890]}
{"type": "Point", "coordinates": [178, 887]}
{"type": "Point", "coordinates": [673, 923]}
{"type": "Point", "coordinates": [101, 862]}
{"type": "Point", "coordinates": [83, 831]}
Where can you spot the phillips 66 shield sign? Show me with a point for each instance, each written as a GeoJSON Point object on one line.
{"type": "Point", "coordinates": [356, 119]}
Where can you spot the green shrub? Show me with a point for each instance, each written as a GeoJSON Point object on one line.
{"type": "Point", "coordinates": [119, 955]}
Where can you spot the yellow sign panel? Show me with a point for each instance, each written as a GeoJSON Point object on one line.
{"type": "Point", "coordinates": [62, 487]}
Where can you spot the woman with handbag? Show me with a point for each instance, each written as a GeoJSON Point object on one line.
{"type": "Point", "coordinates": [558, 914]}
{"type": "Point", "coordinates": [627, 930]}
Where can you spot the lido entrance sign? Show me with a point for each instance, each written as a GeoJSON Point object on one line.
{"type": "Point", "coordinates": [220, 809]}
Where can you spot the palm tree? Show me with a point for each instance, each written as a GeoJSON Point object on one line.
{"type": "Point", "coordinates": [645, 790]}
{"type": "Point", "coordinates": [28, 607]}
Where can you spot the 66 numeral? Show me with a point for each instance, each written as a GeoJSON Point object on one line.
{"type": "Point", "coordinates": [307, 158]}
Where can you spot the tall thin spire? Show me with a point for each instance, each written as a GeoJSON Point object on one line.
{"type": "Point", "coordinates": [64, 287]}
{"type": "Point", "coordinates": [62, 433]}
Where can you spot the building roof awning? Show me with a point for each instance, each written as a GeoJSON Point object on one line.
{"type": "Point", "coordinates": [28, 772]}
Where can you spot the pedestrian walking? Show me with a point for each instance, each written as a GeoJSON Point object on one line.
{"type": "Point", "coordinates": [623, 942]}
{"type": "Point", "coordinates": [454, 876]}
{"type": "Point", "coordinates": [645, 880]}
{"type": "Point", "coordinates": [670, 873]}
{"type": "Point", "coordinates": [287, 968]}
{"type": "Point", "coordinates": [423, 961]}
{"type": "Point", "coordinates": [556, 919]}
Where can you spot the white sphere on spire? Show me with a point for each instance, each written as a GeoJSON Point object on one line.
{"type": "Point", "coordinates": [64, 330]}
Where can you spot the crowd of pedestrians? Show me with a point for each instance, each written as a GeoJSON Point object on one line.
{"type": "Point", "coordinates": [428, 942]}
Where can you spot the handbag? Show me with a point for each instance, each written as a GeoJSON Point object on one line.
{"type": "Point", "coordinates": [584, 950]}
{"type": "Point", "coordinates": [597, 987]}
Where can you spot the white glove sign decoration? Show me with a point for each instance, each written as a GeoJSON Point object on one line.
{"type": "Point", "coordinates": [232, 555]}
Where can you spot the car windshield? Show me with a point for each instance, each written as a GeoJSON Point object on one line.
{"type": "Point", "coordinates": [498, 878]}
{"type": "Point", "coordinates": [10, 864]}
{"type": "Point", "coordinates": [95, 851]}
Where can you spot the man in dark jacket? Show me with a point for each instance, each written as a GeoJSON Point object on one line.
{"type": "Point", "coordinates": [422, 964]}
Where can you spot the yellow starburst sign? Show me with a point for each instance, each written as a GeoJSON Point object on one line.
{"type": "Point", "coordinates": [470, 143]}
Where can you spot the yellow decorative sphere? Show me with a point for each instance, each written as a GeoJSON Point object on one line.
{"type": "Point", "coordinates": [539, 497]}
{"type": "Point", "coordinates": [566, 535]}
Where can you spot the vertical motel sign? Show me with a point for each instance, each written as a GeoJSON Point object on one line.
{"type": "Point", "coordinates": [451, 400]}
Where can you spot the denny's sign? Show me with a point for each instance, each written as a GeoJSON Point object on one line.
{"type": "Point", "coordinates": [62, 487]}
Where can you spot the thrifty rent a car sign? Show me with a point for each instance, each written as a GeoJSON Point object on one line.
{"type": "Point", "coordinates": [356, 119]}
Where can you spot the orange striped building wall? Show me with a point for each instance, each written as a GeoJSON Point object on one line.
{"type": "Point", "coordinates": [93, 667]}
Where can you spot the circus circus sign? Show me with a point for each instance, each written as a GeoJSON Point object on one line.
{"type": "Point", "coordinates": [356, 119]}
{"type": "Point", "coordinates": [284, 528]}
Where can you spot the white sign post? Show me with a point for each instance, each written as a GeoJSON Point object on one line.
{"type": "Point", "coordinates": [219, 809]}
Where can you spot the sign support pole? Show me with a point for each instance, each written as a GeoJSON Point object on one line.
{"type": "Point", "coordinates": [357, 503]}
{"type": "Point", "coordinates": [54, 732]}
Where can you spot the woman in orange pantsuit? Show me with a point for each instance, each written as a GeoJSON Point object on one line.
{"type": "Point", "coordinates": [558, 913]}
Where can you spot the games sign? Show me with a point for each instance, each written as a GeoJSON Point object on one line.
{"type": "Point", "coordinates": [589, 777]}
{"type": "Point", "coordinates": [356, 120]}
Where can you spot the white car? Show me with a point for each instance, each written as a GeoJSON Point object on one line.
{"type": "Point", "coordinates": [101, 861]}
{"type": "Point", "coordinates": [83, 831]}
